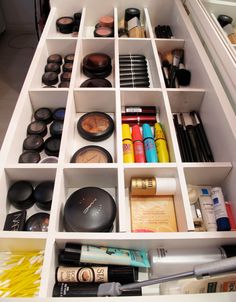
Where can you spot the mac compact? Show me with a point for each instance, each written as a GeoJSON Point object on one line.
{"type": "Point", "coordinates": [59, 114]}
{"type": "Point", "coordinates": [43, 114]}
{"type": "Point", "coordinates": [97, 65]}
{"type": "Point", "coordinates": [89, 209]}
{"type": "Point", "coordinates": [37, 127]}
{"type": "Point", "coordinates": [33, 142]}
{"type": "Point", "coordinates": [92, 154]}
{"type": "Point", "coordinates": [43, 195]}
{"type": "Point", "coordinates": [69, 58]}
{"type": "Point", "coordinates": [50, 78]}
{"type": "Point", "coordinates": [56, 128]}
{"type": "Point", "coordinates": [95, 82]}
{"type": "Point", "coordinates": [52, 146]}
{"type": "Point", "coordinates": [95, 126]}
{"type": "Point", "coordinates": [37, 223]}
{"type": "Point", "coordinates": [55, 58]}
{"type": "Point", "coordinates": [65, 25]}
{"type": "Point", "coordinates": [20, 195]}
{"type": "Point", "coordinates": [29, 157]}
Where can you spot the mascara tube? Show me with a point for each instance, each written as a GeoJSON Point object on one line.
{"type": "Point", "coordinates": [149, 145]}
{"type": "Point", "coordinates": [161, 145]}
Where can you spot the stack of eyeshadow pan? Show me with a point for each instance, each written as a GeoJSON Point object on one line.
{"type": "Point", "coordinates": [56, 66]}
{"type": "Point", "coordinates": [133, 71]}
{"type": "Point", "coordinates": [34, 143]}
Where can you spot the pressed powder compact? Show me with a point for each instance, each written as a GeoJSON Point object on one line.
{"type": "Point", "coordinates": [50, 78]}
{"type": "Point", "coordinates": [65, 25]}
{"type": "Point", "coordinates": [89, 209]}
{"type": "Point", "coordinates": [43, 114]}
{"type": "Point", "coordinates": [38, 222]}
{"type": "Point", "coordinates": [59, 114]}
{"type": "Point", "coordinates": [43, 195]}
{"type": "Point", "coordinates": [37, 127]}
{"type": "Point", "coordinates": [69, 58]}
{"type": "Point", "coordinates": [54, 67]}
{"type": "Point", "coordinates": [103, 32]}
{"type": "Point", "coordinates": [92, 154]}
{"type": "Point", "coordinates": [96, 83]}
{"type": "Point", "coordinates": [97, 65]}
{"type": "Point", "coordinates": [52, 146]}
{"type": "Point", "coordinates": [33, 142]}
{"type": "Point", "coordinates": [20, 195]}
{"type": "Point", "coordinates": [56, 128]}
{"type": "Point", "coordinates": [55, 58]}
{"type": "Point", "coordinates": [95, 126]}
{"type": "Point", "coordinates": [29, 157]}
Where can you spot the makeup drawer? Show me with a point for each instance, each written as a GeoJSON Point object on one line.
{"type": "Point", "coordinates": [204, 95]}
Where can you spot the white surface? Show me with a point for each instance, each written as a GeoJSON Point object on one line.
{"type": "Point", "coordinates": [204, 94]}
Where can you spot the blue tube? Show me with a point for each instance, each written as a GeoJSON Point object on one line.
{"type": "Point", "coordinates": [149, 144]}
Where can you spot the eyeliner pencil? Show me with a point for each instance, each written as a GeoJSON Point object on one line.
{"type": "Point", "coordinates": [179, 134]}
{"type": "Point", "coordinates": [190, 156]}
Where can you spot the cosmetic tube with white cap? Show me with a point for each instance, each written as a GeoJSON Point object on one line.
{"type": "Point", "coordinates": [153, 186]}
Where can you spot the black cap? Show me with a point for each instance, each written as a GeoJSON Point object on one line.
{"type": "Point", "coordinates": [224, 20]}
{"type": "Point", "coordinates": [230, 250]}
{"type": "Point", "coordinates": [29, 156]}
{"type": "Point", "coordinates": [131, 13]}
{"type": "Point", "coordinates": [20, 194]}
{"type": "Point", "coordinates": [43, 195]}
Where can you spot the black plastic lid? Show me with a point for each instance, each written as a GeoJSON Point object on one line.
{"type": "Point", "coordinates": [65, 25]}
{"type": "Point", "coordinates": [55, 58]}
{"type": "Point", "coordinates": [43, 114]}
{"type": "Point", "coordinates": [33, 142]}
{"type": "Point", "coordinates": [69, 58]}
{"type": "Point", "coordinates": [77, 18]}
{"type": "Point", "coordinates": [56, 128]}
{"type": "Point", "coordinates": [130, 13]}
{"type": "Point", "coordinates": [50, 78]}
{"type": "Point", "coordinates": [59, 114]}
{"type": "Point", "coordinates": [43, 195]}
{"type": "Point", "coordinates": [97, 62]}
{"type": "Point", "coordinates": [98, 74]}
{"type": "Point", "coordinates": [52, 146]}
{"type": "Point", "coordinates": [29, 157]}
{"type": "Point", "coordinates": [67, 67]}
{"type": "Point", "coordinates": [66, 76]}
{"type": "Point", "coordinates": [54, 67]}
{"type": "Point", "coordinates": [224, 20]}
{"type": "Point", "coordinates": [37, 128]}
{"type": "Point", "coordinates": [38, 222]}
{"type": "Point", "coordinates": [89, 209]}
{"type": "Point", "coordinates": [91, 154]}
{"type": "Point", "coordinates": [230, 250]}
{"type": "Point", "coordinates": [96, 82]}
{"type": "Point", "coordinates": [69, 259]}
{"type": "Point", "coordinates": [95, 126]}
{"type": "Point", "coordinates": [64, 85]}
{"type": "Point", "coordinates": [20, 194]}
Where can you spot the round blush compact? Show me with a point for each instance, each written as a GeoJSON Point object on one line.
{"type": "Point", "coordinates": [67, 67]}
{"type": "Point", "coordinates": [38, 223]}
{"type": "Point", "coordinates": [33, 142]}
{"type": "Point", "coordinates": [69, 58]}
{"type": "Point", "coordinates": [65, 25]}
{"type": "Point", "coordinates": [89, 209]}
{"type": "Point", "coordinates": [37, 127]}
{"type": "Point", "coordinates": [107, 21]}
{"type": "Point", "coordinates": [50, 78]}
{"type": "Point", "coordinates": [66, 76]}
{"type": "Point", "coordinates": [55, 58]}
{"type": "Point", "coordinates": [91, 83]}
{"type": "Point", "coordinates": [103, 32]}
{"type": "Point", "coordinates": [54, 67]}
{"type": "Point", "coordinates": [95, 126]}
{"type": "Point", "coordinates": [43, 114]}
{"type": "Point", "coordinates": [97, 65]}
{"type": "Point", "coordinates": [64, 85]}
{"type": "Point", "coordinates": [20, 194]}
{"type": "Point", "coordinates": [91, 154]}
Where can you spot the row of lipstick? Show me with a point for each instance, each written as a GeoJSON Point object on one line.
{"type": "Point", "coordinates": [139, 143]}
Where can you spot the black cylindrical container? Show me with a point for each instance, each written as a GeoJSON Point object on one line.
{"type": "Point", "coordinates": [84, 290]}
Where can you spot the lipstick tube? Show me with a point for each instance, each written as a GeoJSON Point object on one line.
{"type": "Point", "coordinates": [140, 120]}
{"type": "Point", "coordinates": [139, 153]}
{"type": "Point", "coordinates": [140, 110]}
{"type": "Point", "coordinates": [128, 150]}
{"type": "Point", "coordinates": [149, 145]}
{"type": "Point", "coordinates": [161, 145]}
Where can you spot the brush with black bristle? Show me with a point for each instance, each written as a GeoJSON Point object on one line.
{"type": "Point", "coordinates": [177, 58]}
{"type": "Point", "coordinates": [183, 75]}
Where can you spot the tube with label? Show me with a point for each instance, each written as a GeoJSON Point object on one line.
{"type": "Point", "coordinates": [128, 150]}
{"type": "Point", "coordinates": [222, 219]}
{"type": "Point", "coordinates": [161, 145]}
{"type": "Point", "coordinates": [207, 208]}
{"type": "Point", "coordinates": [153, 186]}
{"type": "Point", "coordinates": [139, 154]}
{"type": "Point", "coordinates": [178, 260]}
{"type": "Point", "coordinates": [104, 255]}
{"type": "Point", "coordinates": [149, 145]}
{"type": "Point", "coordinates": [96, 274]}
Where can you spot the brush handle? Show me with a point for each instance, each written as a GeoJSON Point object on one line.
{"type": "Point", "coordinates": [179, 134]}
{"type": "Point", "coordinates": [194, 143]}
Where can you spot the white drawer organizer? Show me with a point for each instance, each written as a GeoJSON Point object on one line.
{"type": "Point", "coordinates": [223, 52]}
{"type": "Point", "coordinates": [205, 95]}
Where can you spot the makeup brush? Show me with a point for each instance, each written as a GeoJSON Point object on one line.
{"type": "Point", "coordinates": [165, 70]}
{"type": "Point", "coordinates": [187, 143]}
{"type": "Point", "coordinates": [180, 137]}
{"type": "Point", "coordinates": [177, 58]}
{"type": "Point", "coordinates": [183, 75]}
{"type": "Point", "coordinates": [168, 57]}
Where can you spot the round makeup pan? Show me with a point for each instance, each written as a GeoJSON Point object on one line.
{"type": "Point", "coordinates": [91, 154]}
{"type": "Point", "coordinates": [95, 126]}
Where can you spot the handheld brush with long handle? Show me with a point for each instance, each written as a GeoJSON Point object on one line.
{"type": "Point", "coordinates": [177, 58]}
{"type": "Point", "coordinates": [199, 271]}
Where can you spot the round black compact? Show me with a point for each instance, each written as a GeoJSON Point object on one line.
{"type": "Point", "coordinates": [50, 78]}
{"type": "Point", "coordinates": [29, 157]}
{"type": "Point", "coordinates": [69, 58]}
{"type": "Point", "coordinates": [43, 114]}
{"type": "Point", "coordinates": [20, 195]}
{"type": "Point", "coordinates": [43, 195]}
{"type": "Point", "coordinates": [92, 154]}
{"type": "Point", "coordinates": [65, 25]}
{"type": "Point", "coordinates": [38, 223]}
{"type": "Point", "coordinates": [89, 209]}
{"type": "Point", "coordinates": [95, 126]}
{"type": "Point", "coordinates": [56, 128]}
{"type": "Point", "coordinates": [54, 67]}
{"type": "Point", "coordinates": [64, 85]}
{"type": "Point", "coordinates": [55, 58]}
{"type": "Point", "coordinates": [33, 142]}
{"type": "Point", "coordinates": [37, 128]}
{"type": "Point", "coordinates": [95, 82]}
{"type": "Point", "coordinates": [97, 65]}
{"type": "Point", "coordinates": [52, 146]}
{"type": "Point", "coordinates": [59, 114]}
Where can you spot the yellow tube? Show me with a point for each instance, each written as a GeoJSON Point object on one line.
{"type": "Point", "coordinates": [128, 150]}
{"type": "Point", "coordinates": [161, 145]}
